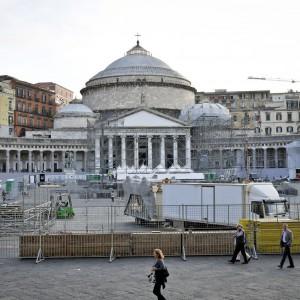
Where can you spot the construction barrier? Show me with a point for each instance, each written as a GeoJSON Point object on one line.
{"type": "Point", "coordinates": [127, 244]}
{"type": "Point", "coordinates": [265, 236]}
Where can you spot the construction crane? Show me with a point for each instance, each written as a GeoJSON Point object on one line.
{"type": "Point", "coordinates": [273, 79]}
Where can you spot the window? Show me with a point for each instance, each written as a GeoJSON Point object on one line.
{"type": "Point", "coordinates": [278, 129]}
{"type": "Point", "coordinates": [278, 116]}
{"type": "Point", "coordinates": [44, 98]}
{"type": "Point", "coordinates": [257, 130]}
{"type": "Point", "coordinates": [292, 104]}
{"type": "Point", "coordinates": [289, 117]}
{"type": "Point", "coordinates": [246, 119]}
{"type": "Point", "coordinates": [268, 130]}
{"type": "Point", "coordinates": [10, 105]}
{"type": "Point", "coordinates": [234, 118]}
{"type": "Point", "coordinates": [290, 129]}
{"type": "Point", "coordinates": [36, 109]}
{"type": "Point", "coordinates": [268, 116]}
{"type": "Point", "coordinates": [298, 129]}
{"type": "Point", "coordinates": [10, 131]}
{"type": "Point", "coordinates": [10, 120]}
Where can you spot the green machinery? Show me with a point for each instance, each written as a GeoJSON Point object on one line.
{"type": "Point", "coordinates": [63, 206]}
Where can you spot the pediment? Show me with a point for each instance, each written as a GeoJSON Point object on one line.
{"type": "Point", "coordinates": [146, 118]}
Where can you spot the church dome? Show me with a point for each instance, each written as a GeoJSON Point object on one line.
{"type": "Point", "coordinates": [75, 107]}
{"type": "Point", "coordinates": [74, 115]}
{"type": "Point", "coordinates": [204, 112]}
{"type": "Point", "coordinates": [137, 79]}
{"type": "Point", "coordinates": [138, 61]}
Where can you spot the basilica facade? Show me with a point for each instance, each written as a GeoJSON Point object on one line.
{"type": "Point", "coordinates": [139, 116]}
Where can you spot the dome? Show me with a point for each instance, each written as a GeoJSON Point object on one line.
{"type": "Point", "coordinates": [137, 79]}
{"type": "Point", "coordinates": [138, 61]}
{"type": "Point", "coordinates": [74, 115]}
{"type": "Point", "coordinates": [204, 111]}
{"type": "Point", "coordinates": [75, 108]}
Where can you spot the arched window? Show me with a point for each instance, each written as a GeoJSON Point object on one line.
{"type": "Point", "coordinates": [278, 116]}
{"type": "Point", "coordinates": [278, 129]}
{"type": "Point", "coordinates": [290, 129]}
{"type": "Point", "coordinates": [268, 130]}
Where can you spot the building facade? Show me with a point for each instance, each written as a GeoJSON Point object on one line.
{"type": "Point", "coordinates": [244, 106]}
{"type": "Point", "coordinates": [139, 116]}
{"type": "Point", "coordinates": [280, 117]}
{"type": "Point", "coordinates": [34, 108]}
{"type": "Point", "coordinates": [7, 107]}
{"type": "Point", "coordinates": [63, 96]}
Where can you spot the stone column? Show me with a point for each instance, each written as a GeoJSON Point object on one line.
{"type": "Point", "coordinates": [188, 163]}
{"type": "Point", "coordinates": [84, 163]}
{"type": "Point", "coordinates": [7, 161]}
{"type": "Point", "coordinates": [221, 159]}
{"type": "Point", "coordinates": [253, 158]}
{"type": "Point", "coordinates": [123, 152]}
{"type": "Point", "coordinates": [162, 152]}
{"type": "Point", "coordinates": [97, 155]}
{"type": "Point", "coordinates": [75, 160]}
{"type": "Point", "coordinates": [29, 161]}
{"type": "Point", "coordinates": [276, 157]}
{"type": "Point", "coordinates": [110, 152]}
{"type": "Point", "coordinates": [136, 152]}
{"type": "Point", "coordinates": [175, 151]}
{"type": "Point", "coordinates": [41, 160]}
{"type": "Point", "coordinates": [52, 161]}
{"type": "Point", "coordinates": [63, 160]}
{"type": "Point", "coordinates": [150, 152]}
{"type": "Point", "coordinates": [19, 160]}
{"type": "Point", "coordinates": [265, 158]}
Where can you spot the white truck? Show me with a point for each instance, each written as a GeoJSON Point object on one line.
{"type": "Point", "coordinates": [221, 203]}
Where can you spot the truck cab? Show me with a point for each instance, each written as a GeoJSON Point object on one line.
{"type": "Point", "coordinates": [268, 208]}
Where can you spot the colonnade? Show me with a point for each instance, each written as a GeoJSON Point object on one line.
{"type": "Point", "coordinates": [136, 140]}
{"type": "Point", "coordinates": [254, 157]}
{"type": "Point", "coordinates": [44, 160]}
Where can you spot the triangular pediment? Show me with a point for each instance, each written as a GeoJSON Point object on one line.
{"type": "Point", "coordinates": [146, 118]}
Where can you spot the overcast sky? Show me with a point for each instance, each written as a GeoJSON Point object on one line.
{"type": "Point", "coordinates": [216, 44]}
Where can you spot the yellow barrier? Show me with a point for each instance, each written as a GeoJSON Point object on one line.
{"type": "Point", "coordinates": [265, 235]}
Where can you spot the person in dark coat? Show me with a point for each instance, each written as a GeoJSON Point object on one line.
{"type": "Point", "coordinates": [240, 238]}
{"type": "Point", "coordinates": [158, 268]}
{"type": "Point", "coordinates": [286, 243]}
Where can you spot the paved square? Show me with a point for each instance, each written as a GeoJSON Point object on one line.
{"type": "Point", "coordinates": [209, 278]}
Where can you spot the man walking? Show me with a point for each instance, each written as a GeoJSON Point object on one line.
{"type": "Point", "coordinates": [286, 243]}
{"type": "Point", "coordinates": [240, 241]}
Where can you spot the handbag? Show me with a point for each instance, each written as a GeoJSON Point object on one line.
{"type": "Point", "coordinates": [165, 272]}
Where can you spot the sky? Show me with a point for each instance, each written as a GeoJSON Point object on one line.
{"type": "Point", "coordinates": [216, 44]}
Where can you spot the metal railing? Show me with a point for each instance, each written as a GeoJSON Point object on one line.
{"type": "Point", "coordinates": [102, 227]}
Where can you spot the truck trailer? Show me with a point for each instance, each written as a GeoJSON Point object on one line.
{"type": "Point", "coordinates": [222, 203]}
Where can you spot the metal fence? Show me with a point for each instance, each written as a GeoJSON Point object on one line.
{"type": "Point", "coordinates": [102, 227]}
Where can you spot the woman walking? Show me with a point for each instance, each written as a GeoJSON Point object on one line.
{"type": "Point", "coordinates": [158, 270]}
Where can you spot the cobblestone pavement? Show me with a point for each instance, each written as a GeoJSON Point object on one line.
{"type": "Point", "coordinates": [209, 278]}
